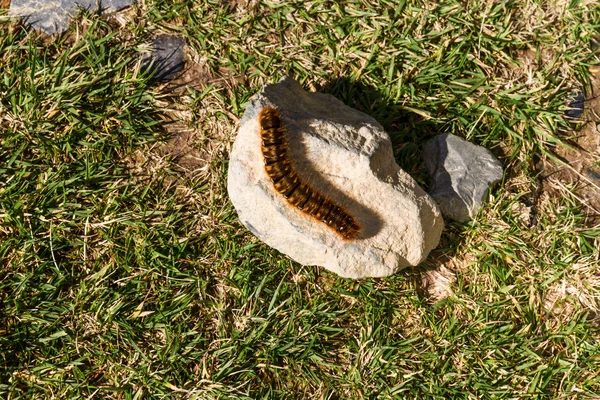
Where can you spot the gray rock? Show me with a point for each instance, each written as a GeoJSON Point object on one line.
{"type": "Point", "coordinates": [461, 173]}
{"type": "Point", "coordinates": [53, 16]}
{"type": "Point", "coordinates": [166, 59]}
{"type": "Point", "coordinates": [347, 156]}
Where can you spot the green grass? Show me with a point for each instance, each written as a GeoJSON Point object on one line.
{"type": "Point", "coordinates": [127, 276]}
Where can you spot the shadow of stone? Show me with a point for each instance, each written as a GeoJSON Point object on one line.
{"type": "Point", "coordinates": [407, 129]}
{"type": "Point", "coordinates": [371, 222]}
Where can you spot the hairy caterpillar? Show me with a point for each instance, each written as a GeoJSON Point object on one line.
{"type": "Point", "coordinates": [292, 187]}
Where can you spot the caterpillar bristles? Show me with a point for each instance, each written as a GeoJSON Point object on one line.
{"type": "Point", "coordinates": [286, 181]}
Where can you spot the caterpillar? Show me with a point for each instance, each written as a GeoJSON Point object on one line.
{"type": "Point", "coordinates": [286, 181]}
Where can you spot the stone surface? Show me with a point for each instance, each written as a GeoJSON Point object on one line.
{"type": "Point", "coordinates": [166, 59]}
{"type": "Point", "coordinates": [53, 16]}
{"type": "Point", "coordinates": [461, 173]}
{"type": "Point", "coordinates": [576, 106]}
{"type": "Point", "coordinates": [346, 155]}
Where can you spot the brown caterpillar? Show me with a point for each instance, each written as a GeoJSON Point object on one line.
{"type": "Point", "coordinates": [292, 187]}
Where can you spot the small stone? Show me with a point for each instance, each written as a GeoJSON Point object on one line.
{"type": "Point", "coordinates": [346, 155]}
{"type": "Point", "coordinates": [592, 173]}
{"type": "Point", "coordinates": [53, 16]}
{"type": "Point", "coordinates": [576, 106]}
{"type": "Point", "coordinates": [166, 60]}
{"type": "Point", "coordinates": [461, 173]}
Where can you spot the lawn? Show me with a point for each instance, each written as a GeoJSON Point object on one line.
{"type": "Point", "coordinates": [126, 274]}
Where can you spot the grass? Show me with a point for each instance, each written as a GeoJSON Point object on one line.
{"type": "Point", "coordinates": [126, 274]}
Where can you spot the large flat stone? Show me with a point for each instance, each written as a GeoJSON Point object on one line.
{"type": "Point", "coordinates": [53, 16]}
{"type": "Point", "coordinates": [346, 155]}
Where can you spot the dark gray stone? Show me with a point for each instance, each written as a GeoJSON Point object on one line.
{"type": "Point", "coordinates": [461, 173]}
{"type": "Point", "coordinates": [576, 106]}
{"type": "Point", "coordinates": [166, 60]}
{"type": "Point", "coordinates": [53, 16]}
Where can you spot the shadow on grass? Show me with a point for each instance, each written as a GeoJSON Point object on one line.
{"type": "Point", "coordinates": [407, 129]}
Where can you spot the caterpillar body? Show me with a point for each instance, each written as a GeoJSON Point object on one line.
{"type": "Point", "coordinates": [296, 191]}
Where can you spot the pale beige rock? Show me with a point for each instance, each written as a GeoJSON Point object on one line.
{"type": "Point", "coordinates": [346, 155]}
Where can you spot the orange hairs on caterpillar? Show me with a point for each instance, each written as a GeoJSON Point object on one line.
{"type": "Point", "coordinates": [296, 191]}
